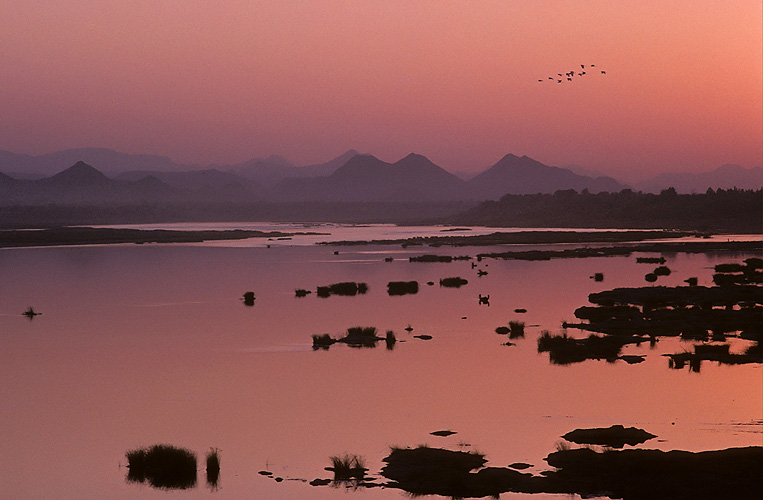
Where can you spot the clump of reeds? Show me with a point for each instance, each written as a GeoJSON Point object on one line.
{"type": "Point", "coordinates": [301, 292]}
{"type": "Point", "coordinates": [662, 271]}
{"type": "Point", "coordinates": [213, 467]}
{"type": "Point", "coordinates": [322, 341]}
{"type": "Point", "coordinates": [729, 268]}
{"type": "Point", "coordinates": [249, 298]}
{"type": "Point", "coordinates": [502, 330]}
{"type": "Point", "coordinates": [431, 258]}
{"type": "Point", "coordinates": [347, 288]}
{"type": "Point", "coordinates": [347, 467]}
{"type": "Point", "coordinates": [361, 336]}
{"type": "Point", "coordinates": [390, 339]}
{"type": "Point", "coordinates": [650, 260]}
{"type": "Point", "coordinates": [163, 466]}
{"type": "Point", "coordinates": [598, 276]}
{"type": "Point", "coordinates": [402, 287]}
{"type": "Point", "coordinates": [517, 329]}
{"type": "Point", "coordinates": [453, 282]}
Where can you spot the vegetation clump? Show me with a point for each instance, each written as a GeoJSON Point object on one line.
{"type": "Point", "coordinates": [347, 467]}
{"type": "Point", "coordinates": [346, 288]}
{"type": "Point", "coordinates": [390, 339]}
{"type": "Point", "coordinates": [564, 350]}
{"type": "Point", "coordinates": [661, 271]}
{"type": "Point", "coordinates": [502, 330]}
{"type": "Point", "coordinates": [301, 292]}
{"type": "Point", "coordinates": [213, 467]}
{"type": "Point", "coordinates": [162, 466]}
{"type": "Point", "coordinates": [402, 287]}
{"type": "Point", "coordinates": [714, 352]}
{"type": "Point", "coordinates": [650, 260]}
{"type": "Point", "coordinates": [322, 341]}
{"type": "Point", "coordinates": [517, 329]}
{"type": "Point", "coordinates": [453, 282]}
{"type": "Point", "coordinates": [615, 436]}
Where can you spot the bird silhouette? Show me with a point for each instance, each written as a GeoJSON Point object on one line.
{"type": "Point", "coordinates": [569, 76]}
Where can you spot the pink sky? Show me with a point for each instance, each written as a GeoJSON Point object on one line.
{"type": "Point", "coordinates": [457, 81]}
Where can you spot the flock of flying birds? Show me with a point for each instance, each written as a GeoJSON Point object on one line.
{"type": "Point", "coordinates": [568, 76]}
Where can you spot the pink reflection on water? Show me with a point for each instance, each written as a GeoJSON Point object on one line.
{"type": "Point", "coordinates": [146, 344]}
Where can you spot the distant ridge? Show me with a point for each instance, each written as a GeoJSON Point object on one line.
{"type": "Point", "coordinates": [523, 175]}
{"type": "Point", "coordinates": [365, 178]}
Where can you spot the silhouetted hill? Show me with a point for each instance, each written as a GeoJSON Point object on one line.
{"type": "Point", "coordinates": [192, 180]}
{"type": "Point", "coordinates": [79, 175]}
{"type": "Point", "coordinates": [84, 184]}
{"type": "Point", "coordinates": [723, 177]}
{"type": "Point", "coordinates": [269, 171]}
{"type": "Point", "coordinates": [515, 175]}
{"type": "Point", "coordinates": [324, 169]}
{"type": "Point", "coordinates": [366, 178]}
{"type": "Point", "coordinates": [108, 161]}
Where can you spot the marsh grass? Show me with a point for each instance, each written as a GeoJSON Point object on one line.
{"type": "Point", "coordinates": [390, 339]}
{"type": "Point", "coordinates": [662, 271]}
{"type": "Point", "coordinates": [322, 341]}
{"type": "Point", "coordinates": [347, 467]}
{"type": "Point", "coordinates": [402, 287]}
{"type": "Point", "coordinates": [346, 288]}
{"type": "Point", "coordinates": [453, 282]}
{"type": "Point", "coordinates": [213, 467]}
{"type": "Point", "coordinates": [517, 329]}
{"type": "Point", "coordinates": [162, 466]}
{"type": "Point", "coordinates": [563, 349]}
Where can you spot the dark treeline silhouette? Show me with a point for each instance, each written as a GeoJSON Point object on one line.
{"type": "Point", "coordinates": [52, 215]}
{"type": "Point", "coordinates": [721, 210]}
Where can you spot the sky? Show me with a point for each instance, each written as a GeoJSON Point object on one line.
{"type": "Point", "coordinates": [217, 82]}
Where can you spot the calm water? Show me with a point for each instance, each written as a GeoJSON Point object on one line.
{"type": "Point", "coordinates": [144, 344]}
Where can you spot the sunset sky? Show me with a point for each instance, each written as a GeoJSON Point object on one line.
{"type": "Point", "coordinates": [457, 81]}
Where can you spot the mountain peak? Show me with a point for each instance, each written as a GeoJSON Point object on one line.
{"type": "Point", "coordinates": [80, 172]}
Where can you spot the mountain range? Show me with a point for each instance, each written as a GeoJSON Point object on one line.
{"type": "Point", "coordinates": [103, 176]}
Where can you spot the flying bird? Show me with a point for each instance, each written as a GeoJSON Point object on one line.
{"type": "Point", "coordinates": [570, 75]}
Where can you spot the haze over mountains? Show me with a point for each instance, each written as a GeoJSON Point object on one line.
{"type": "Point", "coordinates": [103, 176]}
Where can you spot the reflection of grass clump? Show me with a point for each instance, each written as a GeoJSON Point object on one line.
{"type": "Point", "coordinates": [564, 350]}
{"type": "Point", "coordinates": [347, 467]}
{"type": "Point", "coordinates": [163, 466]}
